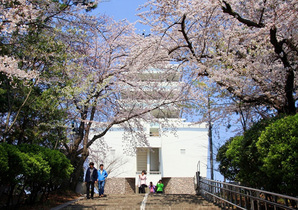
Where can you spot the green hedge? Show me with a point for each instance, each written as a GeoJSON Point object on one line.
{"type": "Point", "coordinates": [32, 169]}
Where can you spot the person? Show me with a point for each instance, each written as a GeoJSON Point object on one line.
{"type": "Point", "coordinates": [151, 188]}
{"type": "Point", "coordinates": [159, 187]}
{"type": "Point", "coordinates": [102, 175]}
{"type": "Point", "coordinates": [90, 179]}
{"type": "Point", "coordinates": [142, 182]}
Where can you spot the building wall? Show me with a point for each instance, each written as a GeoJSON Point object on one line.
{"type": "Point", "coordinates": [114, 140]}
{"type": "Point", "coordinates": [179, 185]}
{"type": "Point", "coordinates": [184, 151]}
{"type": "Point", "coordinates": [120, 186]}
{"type": "Point", "coordinates": [130, 187]}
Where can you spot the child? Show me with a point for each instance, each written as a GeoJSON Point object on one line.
{"type": "Point", "coordinates": [159, 187]}
{"type": "Point", "coordinates": [151, 188]}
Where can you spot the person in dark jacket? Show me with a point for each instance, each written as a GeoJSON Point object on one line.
{"type": "Point", "coordinates": [90, 179]}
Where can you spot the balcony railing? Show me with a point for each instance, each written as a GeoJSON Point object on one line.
{"type": "Point", "coordinates": [149, 172]}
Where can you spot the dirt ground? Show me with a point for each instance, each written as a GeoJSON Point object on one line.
{"type": "Point", "coordinates": [54, 199]}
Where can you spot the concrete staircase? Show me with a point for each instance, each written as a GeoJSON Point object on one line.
{"type": "Point", "coordinates": [110, 202]}
{"type": "Point", "coordinates": [178, 202]}
{"type": "Point", "coordinates": [137, 202]}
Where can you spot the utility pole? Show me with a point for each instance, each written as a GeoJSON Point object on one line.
{"type": "Point", "coordinates": [210, 139]}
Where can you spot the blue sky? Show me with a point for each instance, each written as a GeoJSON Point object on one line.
{"type": "Point", "coordinates": [122, 9]}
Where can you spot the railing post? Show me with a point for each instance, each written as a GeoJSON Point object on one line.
{"type": "Point", "coordinates": [240, 196]}
{"type": "Point", "coordinates": [224, 194]}
{"type": "Point", "coordinates": [258, 202]}
{"type": "Point", "coordinates": [198, 182]}
{"type": "Point", "coordinates": [247, 199]}
{"type": "Point", "coordinates": [275, 200]}
{"type": "Point", "coordinates": [251, 200]}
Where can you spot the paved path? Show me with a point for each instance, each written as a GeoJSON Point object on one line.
{"type": "Point", "coordinates": [142, 202]}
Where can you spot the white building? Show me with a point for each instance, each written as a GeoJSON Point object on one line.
{"type": "Point", "coordinates": [172, 155]}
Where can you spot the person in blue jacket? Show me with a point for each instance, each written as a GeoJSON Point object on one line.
{"type": "Point", "coordinates": [90, 179]}
{"type": "Point", "coordinates": [102, 175]}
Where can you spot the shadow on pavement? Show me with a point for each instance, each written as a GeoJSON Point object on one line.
{"type": "Point", "coordinates": [174, 199]}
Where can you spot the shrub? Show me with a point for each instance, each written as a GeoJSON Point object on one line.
{"type": "Point", "coordinates": [33, 169]}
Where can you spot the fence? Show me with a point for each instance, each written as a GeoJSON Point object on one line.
{"type": "Point", "coordinates": [232, 196]}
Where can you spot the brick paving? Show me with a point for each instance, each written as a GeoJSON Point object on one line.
{"type": "Point", "coordinates": [137, 202]}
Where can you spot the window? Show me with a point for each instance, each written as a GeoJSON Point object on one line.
{"type": "Point", "coordinates": [141, 159]}
{"type": "Point", "coordinates": [148, 159]}
{"type": "Point", "coordinates": [154, 129]}
{"type": "Point", "coordinates": [182, 151]}
{"type": "Point", "coordinates": [113, 151]}
{"type": "Point", "coordinates": [154, 159]}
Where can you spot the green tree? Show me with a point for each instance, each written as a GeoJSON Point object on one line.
{"type": "Point", "coordinates": [245, 156]}
{"type": "Point", "coordinates": [226, 166]}
{"type": "Point", "coordinates": [38, 121]}
{"type": "Point", "coordinates": [31, 111]}
{"type": "Point", "coordinates": [3, 162]}
{"type": "Point", "coordinates": [264, 157]}
{"type": "Point", "coordinates": [278, 149]}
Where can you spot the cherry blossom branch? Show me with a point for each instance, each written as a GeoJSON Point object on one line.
{"type": "Point", "coordinates": [189, 44]}
{"type": "Point", "coordinates": [229, 10]}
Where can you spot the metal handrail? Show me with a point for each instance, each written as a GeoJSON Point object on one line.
{"type": "Point", "coordinates": [249, 188]}
{"type": "Point", "coordinates": [232, 195]}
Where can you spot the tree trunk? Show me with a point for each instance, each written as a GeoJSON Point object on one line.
{"type": "Point", "coordinates": [289, 88]}
{"type": "Point", "coordinates": [78, 173]}
{"type": "Point", "coordinates": [289, 104]}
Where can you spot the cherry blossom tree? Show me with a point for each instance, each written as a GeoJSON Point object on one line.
{"type": "Point", "coordinates": [100, 70]}
{"type": "Point", "coordinates": [248, 48]}
{"type": "Point", "coordinates": [21, 18]}
{"type": "Point", "coordinates": [116, 77]}
{"type": "Point", "coordinates": [31, 57]}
